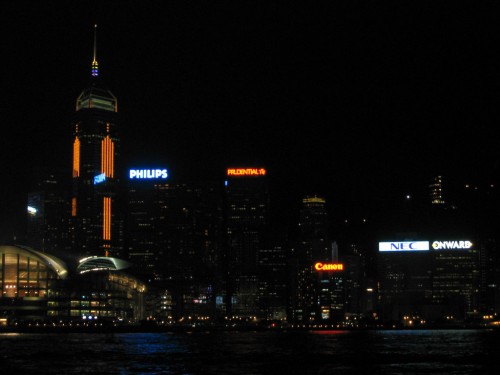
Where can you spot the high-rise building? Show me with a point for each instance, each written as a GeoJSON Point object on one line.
{"type": "Point", "coordinates": [174, 239]}
{"type": "Point", "coordinates": [48, 214]}
{"type": "Point", "coordinates": [94, 202]}
{"type": "Point", "coordinates": [247, 219]}
{"type": "Point", "coordinates": [317, 292]}
{"type": "Point", "coordinates": [435, 280]}
{"type": "Point", "coordinates": [273, 288]}
{"type": "Point", "coordinates": [436, 190]}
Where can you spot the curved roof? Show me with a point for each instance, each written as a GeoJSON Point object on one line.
{"type": "Point", "coordinates": [98, 97]}
{"type": "Point", "coordinates": [96, 263]}
{"type": "Point", "coordinates": [52, 262]}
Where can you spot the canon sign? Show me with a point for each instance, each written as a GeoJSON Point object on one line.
{"type": "Point", "coordinates": [142, 174]}
{"type": "Point", "coordinates": [328, 266]}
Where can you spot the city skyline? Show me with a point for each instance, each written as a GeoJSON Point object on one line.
{"type": "Point", "coordinates": [354, 103]}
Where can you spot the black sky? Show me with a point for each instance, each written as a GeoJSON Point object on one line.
{"type": "Point", "coordinates": [357, 101]}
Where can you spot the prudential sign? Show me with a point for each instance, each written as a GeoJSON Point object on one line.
{"type": "Point", "coordinates": [404, 246]}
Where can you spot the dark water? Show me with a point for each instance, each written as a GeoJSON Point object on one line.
{"type": "Point", "coordinates": [332, 352]}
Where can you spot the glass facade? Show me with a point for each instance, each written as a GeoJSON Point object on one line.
{"type": "Point", "coordinates": [27, 279]}
{"type": "Point", "coordinates": [36, 286]}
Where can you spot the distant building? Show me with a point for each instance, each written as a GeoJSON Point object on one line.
{"type": "Point", "coordinates": [317, 279]}
{"type": "Point", "coordinates": [357, 298]}
{"type": "Point", "coordinates": [436, 191]}
{"type": "Point", "coordinates": [101, 288]}
{"type": "Point", "coordinates": [272, 279]}
{"type": "Point", "coordinates": [37, 286]}
{"type": "Point", "coordinates": [27, 280]}
{"type": "Point", "coordinates": [174, 239]}
{"type": "Point", "coordinates": [435, 280]}
{"type": "Point", "coordinates": [48, 212]}
{"type": "Point", "coordinates": [247, 218]}
{"type": "Point", "coordinates": [98, 226]}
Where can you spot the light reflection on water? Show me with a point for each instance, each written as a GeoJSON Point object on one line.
{"type": "Point", "coordinates": [319, 352]}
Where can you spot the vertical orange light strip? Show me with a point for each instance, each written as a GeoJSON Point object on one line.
{"type": "Point", "coordinates": [73, 206]}
{"type": "Point", "coordinates": [106, 217]}
{"type": "Point", "coordinates": [107, 157]}
{"type": "Point", "coordinates": [76, 157]}
{"type": "Point", "coordinates": [103, 145]}
{"type": "Point", "coordinates": [109, 218]}
{"type": "Point", "coordinates": [112, 159]}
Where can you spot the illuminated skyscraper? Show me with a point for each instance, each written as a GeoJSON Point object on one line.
{"type": "Point", "coordinates": [96, 224]}
{"type": "Point", "coordinates": [247, 208]}
{"type": "Point", "coordinates": [436, 190]}
{"type": "Point", "coordinates": [48, 212]}
{"type": "Point", "coordinates": [315, 296]}
{"type": "Point", "coordinates": [439, 280]}
{"type": "Point", "coordinates": [174, 239]}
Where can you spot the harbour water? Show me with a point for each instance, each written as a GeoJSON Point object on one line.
{"type": "Point", "coordinates": [463, 351]}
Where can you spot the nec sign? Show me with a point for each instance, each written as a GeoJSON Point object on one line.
{"type": "Point", "coordinates": [404, 246]}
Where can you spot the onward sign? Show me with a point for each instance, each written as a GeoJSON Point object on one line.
{"type": "Point", "coordinates": [451, 245]}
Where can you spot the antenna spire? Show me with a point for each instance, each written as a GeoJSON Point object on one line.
{"type": "Point", "coordinates": [95, 65]}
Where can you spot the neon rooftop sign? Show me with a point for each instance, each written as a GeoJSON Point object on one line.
{"type": "Point", "coordinates": [404, 246]}
{"type": "Point", "coordinates": [246, 172]}
{"type": "Point", "coordinates": [318, 266]}
{"type": "Point", "coordinates": [147, 174]}
{"type": "Point", "coordinates": [444, 245]}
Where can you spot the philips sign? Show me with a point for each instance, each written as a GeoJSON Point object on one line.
{"type": "Point", "coordinates": [404, 246]}
{"type": "Point", "coordinates": [451, 245]}
{"type": "Point", "coordinates": [143, 174]}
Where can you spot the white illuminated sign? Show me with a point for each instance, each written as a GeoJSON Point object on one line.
{"type": "Point", "coordinates": [99, 178]}
{"type": "Point", "coordinates": [32, 210]}
{"type": "Point", "coordinates": [404, 246]}
{"type": "Point", "coordinates": [142, 174]}
{"type": "Point", "coordinates": [451, 245]}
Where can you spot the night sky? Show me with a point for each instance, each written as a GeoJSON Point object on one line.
{"type": "Point", "coordinates": [358, 102]}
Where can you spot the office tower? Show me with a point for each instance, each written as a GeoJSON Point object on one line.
{"type": "Point", "coordinates": [247, 211]}
{"type": "Point", "coordinates": [48, 214]}
{"type": "Point", "coordinates": [436, 280]}
{"type": "Point", "coordinates": [316, 291]}
{"type": "Point", "coordinates": [313, 229]}
{"type": "Point", "coordinates": [95, 199]}
{"type": "Point", "coordinates": [405, 282]}
{"type": "Point", "coordinates": [436, 190]}
{"type": "Point", "coordinates": [272, 278]}
{"type": "Point", "coordinates": [355, 282]}
{"type": "Point", "coordinates": [456, 277]}
{"type": "Point", "coordinates": [174, 239]}
{"type": "Point", "coordinates": [490, 275]}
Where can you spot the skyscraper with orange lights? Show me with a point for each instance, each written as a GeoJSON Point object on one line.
{"type": "Point", "coordinates": [94, 202]}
